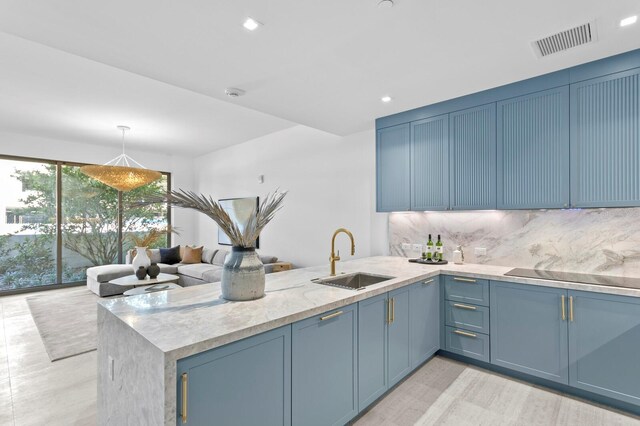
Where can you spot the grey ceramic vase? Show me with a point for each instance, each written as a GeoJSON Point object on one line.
{"type": "Point", "coordinates": [153, 270]}
{"type": "Point", "coordinates": [141, 273]}
{"type": "Point", "coordinates": [242, 275]}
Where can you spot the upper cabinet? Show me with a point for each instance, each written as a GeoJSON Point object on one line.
{"type": "Point", "coordinates": [533, 150]}
{"type": "Point", "coordinates": [393, 169]}
{"type": "Point", "coordinates": [472, 138]}
{"type": "Point", "coordinates": [430, 164]}
{"type": "Point", "coordinates": [605, 141]}
{"type": "Point", "coordinates": [566, 139]}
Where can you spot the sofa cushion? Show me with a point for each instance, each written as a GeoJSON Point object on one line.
{"type": "Point", "coordinates": [170, 255]}
{"type": "Point", "coordinates": [219, 257]}
{"type": "Point", "coordinates": [168, 269]}
{"type": "Point", "coordinates": [192, 254]}
{"type": "Point", "coordinates": [155, 255]}
{"type": "Point", "coordinates": [207, 255]}
{"type": "Point", "coordinates": [213, 275]}
{"type": "Point", "coordinates": [195, 270]}
{"type": "Point", "coordinates": [266, 259]}
{"type": "Point", "coordinates": [105, 273]}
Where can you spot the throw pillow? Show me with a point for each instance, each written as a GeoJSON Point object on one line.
{"type": "Point", "coordinates": [170, 255]}
{"type": "Point", "coordinates": [192, 254]}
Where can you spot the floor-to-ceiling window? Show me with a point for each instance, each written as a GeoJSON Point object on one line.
{"type": "Point", "coordinates": [55, 222]}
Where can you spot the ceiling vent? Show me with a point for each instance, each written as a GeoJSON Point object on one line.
{"type": "Point", "coordinates": [582, 34]}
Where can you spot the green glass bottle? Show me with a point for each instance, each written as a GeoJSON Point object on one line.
{"type": "Point", "coordinates": [429, 248]}
{"type": "Point", "coordinates": [439, 248]}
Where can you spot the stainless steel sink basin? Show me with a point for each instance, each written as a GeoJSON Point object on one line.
{"type": "Point", "coordinates": [354, 281]}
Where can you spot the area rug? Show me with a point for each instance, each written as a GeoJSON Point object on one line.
{"type": "Point", "coordinates": [67, 323]}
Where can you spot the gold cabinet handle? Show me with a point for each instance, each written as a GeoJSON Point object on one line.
{"type": "Point", "coordinates": [333, 315]}
{"type": "Point", "coordinates": [185, 380]}
{"type": "Point", "coordinates": [465, 333]}
{"type": "Point", "coordinates": [571, 308]}
{"type": "Point", "coordinates": [393, 310]}
{"type": "Point", "coordinates": [562, 308]}
{"type": "Point", "coordinates": [461, 306]}
{"type": "Point", "coordinates": [466, 280]}
{"type": "Point", "coordinates": [427, 282]}
{"type": "Point", "coordinates": [389, 311]}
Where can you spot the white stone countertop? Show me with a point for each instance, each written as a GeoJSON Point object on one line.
{"type": "Point", "coordinates": [190, 320]}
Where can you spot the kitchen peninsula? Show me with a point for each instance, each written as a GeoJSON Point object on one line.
{"type": "Point", "coordinates": [143, 339]}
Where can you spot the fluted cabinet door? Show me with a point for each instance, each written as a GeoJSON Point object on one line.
{"type": "Point", "coordinates": [605, 141]}
{"type": "Point", "coordinates": [533, 150]}
{"type": "Point", "coordinates": [430, 164]}
{"type": "Point", "coordinates": [472, 140]}
{"type": "Point", "coordinates": [393, 192]}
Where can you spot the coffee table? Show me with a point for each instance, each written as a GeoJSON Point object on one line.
{"type": "Point", "coordinates": [132, 280]}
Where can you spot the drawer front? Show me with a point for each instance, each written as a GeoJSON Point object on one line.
{"type": "Point", "coordinates": [462, 342]}
{"type": "Point", "coordinates": [468, 317]}
{"type": "Point", "coordinates": [465, 289]}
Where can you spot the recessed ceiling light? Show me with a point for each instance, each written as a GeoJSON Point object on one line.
{"type": "Point", "coordinates": [629, 21]}
{"type": "Point", "coordinates": [251, 24]}
{"type": "Point", "coordinates": [385, 4]}
{"type": "Point", "coordinates": [386, 99]}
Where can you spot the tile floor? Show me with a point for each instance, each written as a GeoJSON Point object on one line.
{"type": "Point", "coordinates": [35, 391]}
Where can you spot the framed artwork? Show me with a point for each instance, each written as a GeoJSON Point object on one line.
{"type": "Point", "coordinates": [240, 210]}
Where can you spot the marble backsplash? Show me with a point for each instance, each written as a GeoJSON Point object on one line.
{"type": "Point", "coordinates": [589, 240]}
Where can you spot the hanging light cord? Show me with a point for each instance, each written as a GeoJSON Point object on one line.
{"type": "Point", "coordinates": [123, 159]}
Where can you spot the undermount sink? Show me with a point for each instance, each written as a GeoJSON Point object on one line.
{"type": "Point", "coordinates": [354, 281]}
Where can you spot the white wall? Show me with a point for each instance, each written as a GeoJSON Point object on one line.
{"type": "Point", "coordinates": [331, 184]}
{"type": "Point", "coordinates": [181, 168]}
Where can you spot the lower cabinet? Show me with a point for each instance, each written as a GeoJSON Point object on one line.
{"type": "Point", "coordinates": [243, 383]}
{"type": "Point", "coordinates": [424, 325]}
{"type": "Point", "coordinates": [399, 362]}
{"type": "Point", "coordinates": [397, 331]}
{"type": "Point", "coordinates": [604, 345]}
{"type": "Point", "coordinates": [529, 330]}
{"type": "Point", "coordinates": [324, 368]}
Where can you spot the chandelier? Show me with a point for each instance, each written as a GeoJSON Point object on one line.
{"type": "Point", "coordinates": [123, 172]}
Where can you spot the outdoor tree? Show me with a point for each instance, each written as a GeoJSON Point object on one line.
{"type": "Point", "coordinates": [89, 224]}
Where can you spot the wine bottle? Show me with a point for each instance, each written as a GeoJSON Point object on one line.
{"type": "Point", "coordinates": [429, 248]}
{"type": "Point", "coordinates": [439, 248]}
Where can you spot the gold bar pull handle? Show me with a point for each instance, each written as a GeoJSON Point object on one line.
{"type": "Point", "coordinates": [427, 282]}
{"type": "Point", "coordinates": [465, 333]}
{"type": "Point", "coordinates": [185, 381]}
{"type": "Point", "coordinates": [393, 309]}
{"type": "Point", "coordinates": [571, 308]}
{"type": "Point", "coordinates": [465, 280]}
{"type": "Point", "coordinates": [461, 306]}
{"type": "Point", "coordinates": [388, 311]}
{"type": "Point", "coordinates": [563, 309]}
{"type": "Point", "coordinates": [333, 315]}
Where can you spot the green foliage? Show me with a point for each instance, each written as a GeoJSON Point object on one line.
{"type": "Point", "coordinates": [89, 224]}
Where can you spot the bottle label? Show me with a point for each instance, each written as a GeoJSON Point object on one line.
{"type": "Point", "coordinates": [439, 249]}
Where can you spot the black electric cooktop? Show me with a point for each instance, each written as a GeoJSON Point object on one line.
{"type": "Point", "coordinates": [610, 281]}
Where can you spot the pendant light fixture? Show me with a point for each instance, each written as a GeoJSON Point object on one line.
{"type": "Point", "coordinates": [123, 172]}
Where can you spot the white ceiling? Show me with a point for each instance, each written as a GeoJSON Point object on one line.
{"type": "Point", "coordinates": [324, 64]}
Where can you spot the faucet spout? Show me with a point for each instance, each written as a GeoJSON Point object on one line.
{"type": "Point", "coordinates": [333, 258]}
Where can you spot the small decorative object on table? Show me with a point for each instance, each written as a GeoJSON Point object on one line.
{"type": "Point", "coordinates": [153, 270]}
{"type": "Point", "coordinates": [141, 259]}
{"type": "Point", "coordinates": [458, 255]}
{"type": "Point", "coordinates": [242, 272]}
{"type": "Point", "coordinates": [141, 273]}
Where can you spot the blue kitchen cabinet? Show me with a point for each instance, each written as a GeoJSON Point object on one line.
{"type": "Point", "coordinates": [243, 383]}
{"type": "Point", "coordinates": [399, 362]}
{"type": "Point", "coordinates": [324, 368]}
{"type": "Point", "coordinates": [604, 345]}
{"type": "Point", "coordinates": [533, 150]}
{"type": "Point", "coordinates": [424, 324]}
{"type": "Point", "coordinates": [529, 330]}
{"type": "Point", "coordinates": [430, 164]}
{"type": "Point", "coordinates": [393, 187]}
{"type": "Point", "coordinates": [605, 141]}
{"type": "Point", "coordinates": [472, 164]}
{"type": "Point", "coordinates": [373, 316]}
